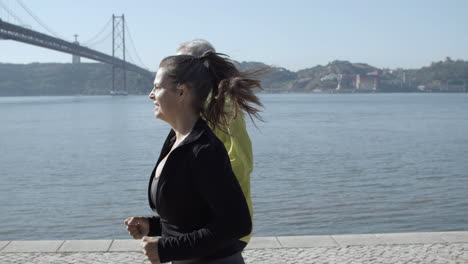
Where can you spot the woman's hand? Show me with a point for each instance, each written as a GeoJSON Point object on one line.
{"type": "Point", "coordinates": [150, 249]}
{"type": "Point", "coordinates": [137, 226]}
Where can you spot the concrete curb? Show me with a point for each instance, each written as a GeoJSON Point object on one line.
{"type": "Point", "coordinates": [131, 245]}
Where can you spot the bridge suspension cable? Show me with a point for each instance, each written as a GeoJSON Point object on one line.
{"type": "Point", "coordinates": [10, 13]}
{"type": "Point", "coordinates": [140, 61]}
{"type": "Point", "coordinates": [42, 24]}
{"type": "Point", "coordinates": [92, 40]}
{"type": "Point", "coordinates": [104, 38]}
{"type": "Point", "coordinates": [129, 56]}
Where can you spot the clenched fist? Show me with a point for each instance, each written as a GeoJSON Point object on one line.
{"type": "Point", "coordinates": [137, 226]}
{"type": "Point", "coordinates": [150, 249]}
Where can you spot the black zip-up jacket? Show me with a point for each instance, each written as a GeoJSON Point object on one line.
{"type": "Point", "coordinates": [202, 210]}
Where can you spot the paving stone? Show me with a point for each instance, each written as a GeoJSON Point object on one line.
{"type": "Point", "coordinates": [263, 242]}
{"type": "Point", "coordinates": [73, 258]}
{"type": "Point", "coordinates": [3, 244]}
{"type": "Point", "coordinates": [33, 246]}
{"type": "Point", "coordinates": [443, 253]}
{"type": "Point", "coordinates": [85, 245]}
{"type": "Point", "coordinates": [455, 237]}
{"type": "Point", "coordinates": [411, 238]}
{"type": "Point", "coordinates": [414, 254]}
{"type": "Point", "coordinates": [126, 245]}
{"type": "Point", "coordinates": [307, 241]}
{"type": "Point", "coordinates": [358, 240]}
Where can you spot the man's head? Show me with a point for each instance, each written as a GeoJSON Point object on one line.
{"type": "Point", "coordinates": [196, 47]}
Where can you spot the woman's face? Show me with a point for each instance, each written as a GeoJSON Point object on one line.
{"type": "Point", "coordinates": [165, 96]}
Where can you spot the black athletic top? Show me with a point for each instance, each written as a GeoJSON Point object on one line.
{"type": "Point", "coordinates": [202, 210]}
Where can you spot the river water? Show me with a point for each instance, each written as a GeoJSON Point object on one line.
{"type": "Point", "coordinates": [75, 167]}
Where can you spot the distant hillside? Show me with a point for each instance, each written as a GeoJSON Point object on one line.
{"type": "Point", "coordinates": [309, 79]}
{"type": "Point", "coordinates": [274, 79]}
{"type": "Point", "coordinates": [447, 75]}
{"type": "Point", "coordinates": [96, 78]}
{"type": "Point", "coordinates": [442, 71]}
{"type": "Point", "coordinates": [63, 79]}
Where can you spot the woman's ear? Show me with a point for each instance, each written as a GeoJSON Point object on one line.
{"type": "Point", "coordinates": [182, 91]}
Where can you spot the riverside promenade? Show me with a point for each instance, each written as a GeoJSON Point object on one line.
{"type": "Point", "coordinates": [424, 248]}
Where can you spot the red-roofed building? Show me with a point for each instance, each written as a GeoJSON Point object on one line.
{"type": "Point", "coordinates": [368, 82]}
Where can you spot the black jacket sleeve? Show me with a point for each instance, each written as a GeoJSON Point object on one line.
{"type": "Point", "coordinates": [154, 226]}
{"type": "Point", "coordinates": [215, 181]}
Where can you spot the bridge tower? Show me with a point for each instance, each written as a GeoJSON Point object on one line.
{"type": "Point", "coordinates": [119, 74]}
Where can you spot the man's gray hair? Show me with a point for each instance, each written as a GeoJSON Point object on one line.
{"type": "Point", "coordinates": [195, 47]}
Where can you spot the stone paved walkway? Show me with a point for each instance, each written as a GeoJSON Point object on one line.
{"type": "Point", "coordinates": [424, 248]}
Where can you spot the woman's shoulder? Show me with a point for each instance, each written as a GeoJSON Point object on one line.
{"type": "Point", "coordinates": [209, 143]}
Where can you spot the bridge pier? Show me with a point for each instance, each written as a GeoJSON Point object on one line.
{"type": "Point", "coordinates": [75, 58]}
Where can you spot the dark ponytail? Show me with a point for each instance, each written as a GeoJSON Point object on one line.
{"type": "Point", "coordinates": [229, 84]}
{"type": "Point", "coordinates": [214, 73]}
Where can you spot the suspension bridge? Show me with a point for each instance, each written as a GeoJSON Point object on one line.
{"type": "Point", "coordinates": [13, 27]}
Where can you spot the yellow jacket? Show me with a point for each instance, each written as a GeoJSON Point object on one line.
{"type": "Point", "coordinates": [239, 148]}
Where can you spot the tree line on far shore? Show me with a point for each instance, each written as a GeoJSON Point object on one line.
{"type": "Point", "coordinates": [96, 78]}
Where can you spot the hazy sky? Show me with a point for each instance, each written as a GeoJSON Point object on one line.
{"type": "Point", "coordinates": [290, 34]}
